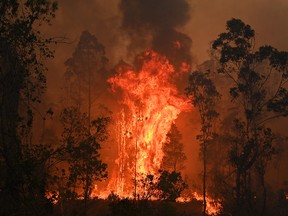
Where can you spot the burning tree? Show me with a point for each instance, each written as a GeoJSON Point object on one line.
{"type": "Point", "coordinates": [174, 157]}
{"type": "Point", "coordinates": [151, 103]}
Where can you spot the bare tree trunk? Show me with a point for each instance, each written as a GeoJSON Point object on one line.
{"type": "Point", "coordinates": [86, 192]}
{"type": "Point", "coordinates": [264, 192]}
{"type": "Point", "coordinates": [238, 188]}
{"type": "Point", "coordinates": [89, 93]}
{"type": "Point", "coordinates": [204, 177]}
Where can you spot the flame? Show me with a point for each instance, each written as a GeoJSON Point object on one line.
{"type": "Point", "coordinates": [151, 104]}
{"type": "Point", "coordinates": [213, 207]}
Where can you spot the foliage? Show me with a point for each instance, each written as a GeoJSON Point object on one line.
{"type": "Point", "coordinates": [22, 79]}
{"type": "Point", "coordinates": [170, 185]}
{"type": "Point", "coordinates": [84, 69]}
{"type": "Point", "coordinates": [82, 145]}
{"type": "Point", "coordinates": [204, 96]}
{"type": "Point", "coordinates": [148, 185]}
{"type": "Point", "coordinates": [113, 197]}
{"type": "Point", "coordinates": [258, 91]}
{"type": "Point", "coordinates": [22, 43]}
{"type": "Point", "coordinates": [166, 186]}
{"type": "Point", "coordinates": [244, 66]}
{"type": "Point", "coordinates": [174, 156]}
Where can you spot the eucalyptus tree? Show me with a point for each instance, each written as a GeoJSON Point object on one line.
{"type": "Point", "coordinates": [257, 86]}
{"type": "Point", "coordinates": [22, 50]}
{"type": "Point", "coordinates": [84, 69]}
{"type": "Point", "coordinates": [204, 96]}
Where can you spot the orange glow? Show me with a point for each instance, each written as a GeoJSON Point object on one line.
{"type": "Point", "coordinates": [151, 103]}
{"type": "Point", "coordinates": [52, 196]}
{"type": "Point", "coordinates": [177, 44]}
{"type": "Point", "coordinates": [213, 207]}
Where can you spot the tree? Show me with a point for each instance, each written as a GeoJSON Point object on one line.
{"type": "Point", "coordinates": [170, 185]}
{"type": "Point", "coordinates": [257, 78]}
{"type": "Point", "coordinates": [204, 95]}
{"type": "Point", "coordinates": [21, 76]}
{"type": "Point", "coordinates": [174, 156]}
{"type": "Point", "coordinates": [148, 183]}
{"type": "Point", "coordinates": [84, 69]}
{"type": "Point", "coordinates": [83, 144]}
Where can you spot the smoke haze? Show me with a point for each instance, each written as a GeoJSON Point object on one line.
{"type": "Point", "coordinates": [126, 27]}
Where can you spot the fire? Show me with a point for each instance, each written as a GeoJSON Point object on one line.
{"type": "Point", "coordinates": [213, 207]}
{"type": "Point", "coordinates": [151, 103]}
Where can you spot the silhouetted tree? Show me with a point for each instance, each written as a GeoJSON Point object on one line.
{"type": "Point", "coordinates": [174, 156]}
{"type": "Point", "coordinates": [204, 95]}
{"type": "Point", "coordinates": [83, 145]}
{"type": "Point", "coordinates": [84, 70]}
{"type": "Point", "coordinates": [22, 49]}
{"type": "Point", "coordinates": [148, 185]}
{"type": "Point", "coordinates": [170, 185]}
{"type": "Point", "coordinates": [257, 88]}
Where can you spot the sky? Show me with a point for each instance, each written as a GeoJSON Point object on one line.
{"type": "Point", "coordinates": [201, 21]}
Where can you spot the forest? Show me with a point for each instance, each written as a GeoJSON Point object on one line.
{"type": "Point", "coordinates": [136, 125]}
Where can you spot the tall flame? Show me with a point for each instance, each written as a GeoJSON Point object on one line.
{"type": "Point", "coordinates": [151, 103]}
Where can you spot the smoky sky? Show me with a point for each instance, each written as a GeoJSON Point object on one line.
{"type": "Point", "coordinates": [153, 24]}
{"type": "Point", "coordinates": [156, 14]}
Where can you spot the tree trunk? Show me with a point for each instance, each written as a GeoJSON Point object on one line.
{"type": "Point", "coordinates": [11, 82]}
{"type": "Point", "coordinates": [204, 178]}
{"type": "Point", "coordinates": [86, 192]}
{"type": "Point", "coordinates": [238, 188]}
{"type": "Point", "coordinates": [262, 180]}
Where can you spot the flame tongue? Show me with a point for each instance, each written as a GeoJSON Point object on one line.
{"type": "Point", "coordinates": [152, 104]}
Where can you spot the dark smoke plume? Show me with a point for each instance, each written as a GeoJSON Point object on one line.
{"type": "Point", "coordinates": [152, 24]}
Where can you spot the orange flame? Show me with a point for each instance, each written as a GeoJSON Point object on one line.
{"type": "Point", "coordinates": [151, 103]}
{"type": "Point", "coordinates": [213, 207]}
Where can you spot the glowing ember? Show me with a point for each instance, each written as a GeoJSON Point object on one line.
{"type": "Point", "coordinates": [151, 103]}
{"type": "Point", "coordinates": [53, 197]}
{"type": "Point", "coordinates": [213, 206]}
{"type": "Point", "coordinates": [183, 199]}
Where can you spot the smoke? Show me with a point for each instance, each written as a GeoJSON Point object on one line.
{"type": "Point", "coordinates": [153, 24]}
{"type": "Point", "coordinates": [156, 14]}
{"type": "Point", "coordinates": [127, 27]}
{"type": "Point", "coordinates": [267, 17]}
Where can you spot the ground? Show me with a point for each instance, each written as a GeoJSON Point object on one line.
{"type": "Point", "coordinates": [127, 208]}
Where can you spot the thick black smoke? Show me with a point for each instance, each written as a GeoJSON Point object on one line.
{"type": "Point", "coordinates": [152, 24]}
{"type": "Point", "coordinates": [154, 13]}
